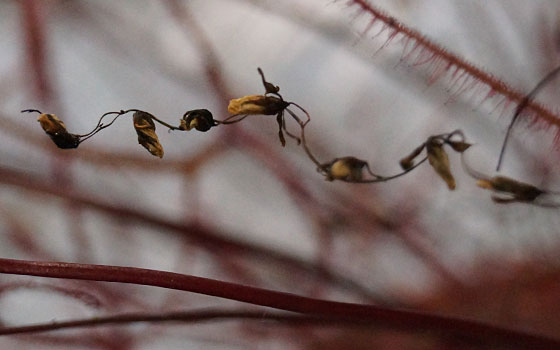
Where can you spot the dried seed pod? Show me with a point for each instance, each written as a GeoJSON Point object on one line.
{"type": "Point", "coordinates": [146, 130]}
{"type": "Point", "coordinates": [519, 191]}
{"type": "Point", "coordinates": [347, 168]}
{"type": "Point", "coordinates": [257, 104]}
{"type": "Point", "coordinates": [440, 162]}
{"type": "Point", "coordinates": [408, 161]}
{"type": "Point", "coordinates": [56, 130]}
{"type": "Point", "coordinates": [199, 119]}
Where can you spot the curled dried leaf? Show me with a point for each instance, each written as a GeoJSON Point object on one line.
{"type": "Point", "coordinates": [199, 119]}
{"type": "Point", "coordinates": [518, 191]}
{"type": "Point", "coordinates": [146, 130]}
{"type": "Point", "coordinates": [257, 104]}
{"type": "Point", "coordinates": [56, 129]}
{"type": "Point", "coordinates": [440, 162]}
{"type": "Point", "coordinates": [346, 168]}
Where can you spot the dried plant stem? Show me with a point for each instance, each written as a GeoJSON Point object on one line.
{"type": "Point", "coordinates": [521, 106]}
{"type": "Point", "coordinates": [183, 317]}
{"type": "Point", "coordinates": [377, 316]}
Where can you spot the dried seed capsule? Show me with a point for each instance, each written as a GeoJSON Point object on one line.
{"type": "Point", "coordinates": [199, 119]}
{"type": "Point", "coordinates": [346, 168]}
{"type": "Point", "coordinates": [440, 162]}
{"type": "Point", "coordinates": [146, 130]}
{"type": "Point", "coordinates": [257, 104]}
{"type": "Point", "coordinates": [520, 191]}
{"type": "Point", "coordinates": [408, 161]}
{"type": "Point", "coordinates": [56, 130]}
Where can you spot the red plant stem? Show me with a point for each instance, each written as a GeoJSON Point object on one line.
{"type": "Point", "coordinates": [35, 48]}
{"type": "Point", "coordinates": [379, 316]}
{"type": "Point", "coordinates": [184, 18]}
{"type": "Point", "coordinates": [213, 241]}
{"type": "Point", "coordinates": [453, 60]}
{"type": "Point", "coordinates": [179, 316]}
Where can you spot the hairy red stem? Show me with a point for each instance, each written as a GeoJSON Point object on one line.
{"type": "Point", "coordinates": [460, 64]}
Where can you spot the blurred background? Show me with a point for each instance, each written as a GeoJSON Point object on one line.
{"type": "Point", "coordinates": [232, 204]}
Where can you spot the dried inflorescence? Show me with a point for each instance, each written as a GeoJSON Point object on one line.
{"type": "Point", "coordinates": [346, 169]}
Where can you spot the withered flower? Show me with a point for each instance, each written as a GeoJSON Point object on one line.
{"type": "Point", "coordinates": [346, 168]}
{"type": "Point", "coordinates": [199, 119]}
{"type": "Point", "coordinates": [515, 191]}
{"type": "Point", "coordinates": [440, 161]}
{"type": "Point", "coordinates": [56, 130]}
{"type": "Point", "coordinates": [408, 161]}
{"type": "Point", "coordinates": [146, 130]}
{"type": "Point", "coordinates": [257, 104]}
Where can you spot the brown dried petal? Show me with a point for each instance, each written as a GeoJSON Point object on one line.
{"type": "Point", "coordinates": [440, 162]}
{"type": "Point", "coordinates": [346, 168]}
{"type": "Point", "coordinates": [146, 130]}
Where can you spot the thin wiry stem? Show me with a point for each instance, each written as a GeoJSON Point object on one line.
{"type": "Point", "coordinates": [521, 106]}
{"type": "Point", "coordinates": [376, 316]}
{"type": "Point", "coordinates": [183, 317]}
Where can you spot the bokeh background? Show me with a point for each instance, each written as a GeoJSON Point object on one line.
{"type": "Point", "coordinates": [232, 204]}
